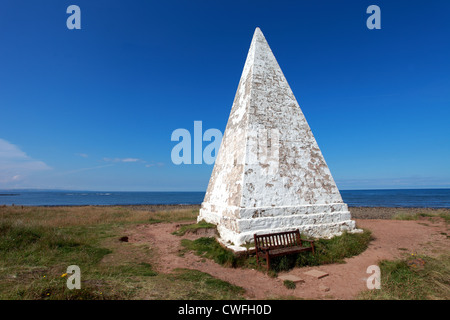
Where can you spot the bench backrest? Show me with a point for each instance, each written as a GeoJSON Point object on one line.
{"type": "Point", "coordinates": [278, 240]}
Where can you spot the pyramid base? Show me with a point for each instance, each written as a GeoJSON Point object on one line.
{"type": "Point", "coordinates": [237, 233]}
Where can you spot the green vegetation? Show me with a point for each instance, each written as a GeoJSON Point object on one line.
{"type": "Point", "coordinates": [34, 259]}
{"type": "Point", "coordinates": [289, 284]}
{"type": "Point", "coordinates": [414, 278]}
{"type": "Point", "coordinates": [203, 286]}
{"type": "Point", "coordinates": [419, 215]}
{"type": "Point", "coordinates": [336, 249]}
{"type": "Point", "coordinates": [209, 248]}
{"type": "Point", "coordinates": [22, 244]}
{"type": "Point", "coordinates": [37, 244]}
{"type": "Point", "coordinates": [172, 216]}
{"type": "Point", "coordinates": [194, 226]}
{"type": "Point", "coordinates": [333, 250]}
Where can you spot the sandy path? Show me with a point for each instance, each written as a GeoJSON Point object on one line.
{"type": "Point", "coordinates": [392, 240]}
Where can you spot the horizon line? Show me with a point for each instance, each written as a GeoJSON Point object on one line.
{"type": "Point", "coordinates": [84, 190]}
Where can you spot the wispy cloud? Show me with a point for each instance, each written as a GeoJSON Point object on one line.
{"type": "Point", "coordinates": [158, 164]}
{"type": "Point", "coordinates": [83, 155]}
{"type": "Point", "coordinates": [15, 164]}
{"type": "Point", "coordinates": [134, 160]}
{"type": "Point", "coordinates": [122, 160]}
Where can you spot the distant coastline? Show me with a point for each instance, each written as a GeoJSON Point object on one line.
{"type": "Point", "coordinates": [393, 198]}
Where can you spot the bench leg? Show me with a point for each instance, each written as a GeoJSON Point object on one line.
{"type": "Point", "coordinates": [268, 261]}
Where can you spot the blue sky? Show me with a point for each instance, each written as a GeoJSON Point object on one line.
{"type": "Point", "coordinates": [94, 109]}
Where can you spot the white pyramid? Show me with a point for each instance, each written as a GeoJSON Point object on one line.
{"type": "Point", "coordinates": [269, 174]}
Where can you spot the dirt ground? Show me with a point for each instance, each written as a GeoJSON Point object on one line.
{"type": "Point", "coordinates": [392, 239]}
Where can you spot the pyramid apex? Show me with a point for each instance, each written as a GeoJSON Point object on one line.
{"type": "Point", "coordinates": [258, 32]}
{"type": "Point", "coordinates": [258, 39]}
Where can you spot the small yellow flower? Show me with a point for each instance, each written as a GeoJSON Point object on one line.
{"type": "Point", "coordinates": [64, 275]}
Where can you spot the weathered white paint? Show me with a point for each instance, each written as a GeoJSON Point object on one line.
{"type": "Point", "coordinates": [293, 190]}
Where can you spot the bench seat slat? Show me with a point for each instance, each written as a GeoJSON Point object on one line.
{"type": "Point", "coordinates": [283, 251]}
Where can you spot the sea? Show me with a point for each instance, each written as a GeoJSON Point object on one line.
{"type": "Point", "coordinates": [419, 198]}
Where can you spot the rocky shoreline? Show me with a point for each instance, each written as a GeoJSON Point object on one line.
{"type": "Point", "coordinates": [389, 213]}
{"type": "Point", "coordinates": [356, 212]}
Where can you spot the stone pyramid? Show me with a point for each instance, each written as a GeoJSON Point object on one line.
{"type": "Point", "coordinates": [269, 174]}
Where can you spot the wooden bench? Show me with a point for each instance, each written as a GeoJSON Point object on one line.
{"type": "Point", "coordinates": [280, 244]}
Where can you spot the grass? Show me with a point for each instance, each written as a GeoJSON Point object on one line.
{"type": "Point", "coordinates": [37, 244]}
{"type": "Point", "coordinates": [289, 284]}
{"type": "Point", "coordinates": [32, 244]}
{"type": "Point", "coordinates": [33, 258]}
{"type": "Point", "coordinates": [208, 247]}
{"type": "Point", "coordinates": [336, 249]}
{"type": "Point", "coordinates": [205, 287]}
{"type": "Point", "coordinates": [93, 215]}
{"type": "Point", "coordinates": [327, 251]}
{"type": "Point", "coordinates": [187, 284]}
{"type": "Point", "coordinates": [194, 226]}
{"type": "Point", "coordinates": [406, 279]}
{"type": "Point", "coordinates": [418, 215]}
